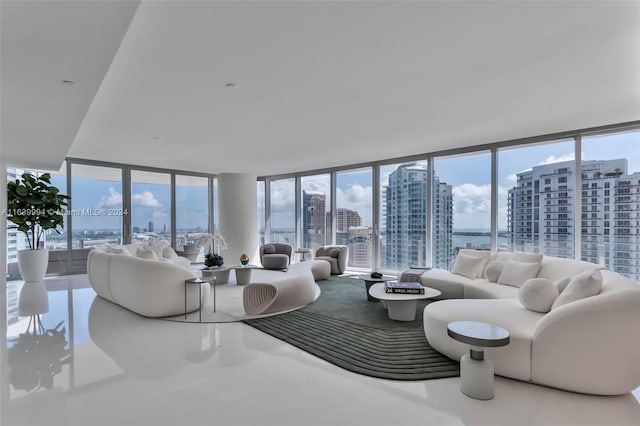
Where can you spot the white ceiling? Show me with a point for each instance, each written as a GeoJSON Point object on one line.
{"type": "Point", "coordinates": [321, 84]}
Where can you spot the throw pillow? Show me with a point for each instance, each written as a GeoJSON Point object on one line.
{"type": "Point", "coordinates": [157, 247]}
{"type": "Point", "coordinates": [145, 253]}
{"type": "Point", "coordinates": [562, 284]}
{"type": "Point", "coordinates": [467, 266]}
{"type": "Point", "coordinates": [269, 249]}
{"type": "Point", "coordinates": [483, 254]}
{"type": "Point", "coordinates": [538, 294]}
{"type": "Point", "coordinates": [516, 273]}
{"type": "Point", "coordinates": [169, 253]}
{"type": "Point", "coordinates": [334, 252]}
{"type": "Point", "coordinates": [521, 256]}
{"type": "Point", "coordinates": [117, 249]}
{"type": "Point", "coordinates": [493, 270]}
{"type": "Point", "coordinates": [583, 285]}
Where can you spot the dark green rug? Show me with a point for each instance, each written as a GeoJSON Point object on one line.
{"type": "Point", "coordinates": [343, 328]}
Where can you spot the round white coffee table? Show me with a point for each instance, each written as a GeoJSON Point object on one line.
{"type": "Point", "coordinates": [401, 307]}
{"type": "Point", "coordinates": [368, 282]}
{"type": "Point", "coordinates": [476, 371]}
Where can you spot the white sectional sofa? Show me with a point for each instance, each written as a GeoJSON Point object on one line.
{"type": "Point", "coordinates": [152, 287]}
{"type": "Point", "coordinates": [589, 345]}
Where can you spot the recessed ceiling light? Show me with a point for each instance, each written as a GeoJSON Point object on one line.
{"type": "Point", "coordinates": [68, 82]}
{"type": "Point", "coordinates": [155, 138]}
{"type": "Point", "coordinates": [231, 86]}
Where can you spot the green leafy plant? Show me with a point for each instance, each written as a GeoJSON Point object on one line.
{"type": "Point", "coordinates": [212, 256]}
{"type": "Point", "coordinates": [34, 205]}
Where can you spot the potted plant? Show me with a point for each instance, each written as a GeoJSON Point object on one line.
{"type": "Point", "coordinates": [213, 257]}
{"type": "Point", "coordinates": [34, 206]}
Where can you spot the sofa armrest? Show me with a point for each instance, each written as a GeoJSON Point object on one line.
{"type": "Point", "coordinates": [591, 345]}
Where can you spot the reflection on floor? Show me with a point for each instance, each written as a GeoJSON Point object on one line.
{"type": "Point", "coordinates": [92, 362]}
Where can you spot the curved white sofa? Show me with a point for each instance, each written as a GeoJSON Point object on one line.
{"type": "Point", "coordinates": [591, 345]}
{"type": "Point", "coordinates": [276, 291]}
{"type": "Point", "coordinates": [152, 288]}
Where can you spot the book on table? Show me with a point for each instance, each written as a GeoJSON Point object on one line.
{"type": "Point", "coordinates": [403, 287]}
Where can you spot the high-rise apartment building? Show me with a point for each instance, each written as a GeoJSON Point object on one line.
{"type": "Point", "coordinates": [346, 218]}
{"type": "Point", "coordinates": [541, 213]}
{"type": "Point", "coordinates": [359, 242]}
{"type": "Point", "coordinates": [314, 219]}
{"type": "Point", "coordinates": [15, 240]}
{"type": "Point", "coordinates": [405, 210]}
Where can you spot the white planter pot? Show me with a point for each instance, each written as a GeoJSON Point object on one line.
{"type": "Point", "coordinates": [33, 264]}
{"type": "Point", "coordinates": [33, 299]}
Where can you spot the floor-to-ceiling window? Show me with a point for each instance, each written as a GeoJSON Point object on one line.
{"type": "Point", "coordinates": [403, 215]}
{"type": "Point", "coordinates": [192, 209]}
{"type": "Point", "coordinates": [315, 217]}
{"type": "Point", "coordinates": [461, 205]}
{"type": "Point", "coordinates": [150, 206]}
{"type": "Point", "coordinates": [610, 209]}
{"type": "Point", "coordinates": [536, 203]}
{"type": "Point", "coordinates": [283, 211]}
{"type": "Point", "coordinates": [261, 211]}
{"type": "Point", "coordinates": [354, 212]}
{"type": "Point", "coordinates": [97, 210]}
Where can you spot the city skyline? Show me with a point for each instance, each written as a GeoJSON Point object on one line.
{"type": "Point", "coordinates": [468, 176]}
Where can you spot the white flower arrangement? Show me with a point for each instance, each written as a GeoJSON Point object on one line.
{"type": "Point", "coordinates": [213, 244]}
{"type": "Point", "coordinates": [205, 240]}
{"type": "Point", "coordinates": [219, 244]}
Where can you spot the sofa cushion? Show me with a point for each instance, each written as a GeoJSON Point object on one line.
{"type": "Point", "coordinates": [538, 294]}
{"type": "Point", "coordinates": [485, 255]}
{"type": "Point", "coordinates": [562, 284]}
{"type": "Point", "coordinates": [335, 269]}
{"type": "Point", "coordinates": [493, 270]}
{"type": "Point", "coordinates": [555, 268]}
{"type": "Point", "coordinates": [269, 249]}
{"type": "Point", "coordinates": [117, 249]}
{"type": "Point", "coordinates": [467, 266]}
{"type": "Point", "coordinates": [585, 284]}
{"type": "Point", "coordinates": [485, 289]}
{"type": "Point", "coordinates": [516, 273]}
{"type": "Point", "coordinates": [275, 261]}
{"type": "Point", "coordinates": [146, 253]}
{"type": "Point", "coordinates": [450, 285]}
{"type": "Point", "coordinates": [334, 252]}
{"type": "Point", "coordinates": [169, 253]}
{"type": "Point", "coordinates": [157, 247]}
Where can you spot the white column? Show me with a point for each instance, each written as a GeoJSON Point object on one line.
{"type": "Point", "coordinates": [238, 210]}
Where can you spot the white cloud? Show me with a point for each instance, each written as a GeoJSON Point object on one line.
{"type": "Point", "coordinates": [358, 198]}
{"type": "Point", "coordinates": [146, 199]}
{"type": "Point", "coordinates": [553, 159]}
{"type": "Point", "coordinates": [114, 199]}
{"type": "Point", "coordinates": [513, 177]}
{"type": "Point", "coordinates": [471, 198]}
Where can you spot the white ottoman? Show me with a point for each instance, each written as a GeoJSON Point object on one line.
{"type": "Point", "coordinates": [321, 269]}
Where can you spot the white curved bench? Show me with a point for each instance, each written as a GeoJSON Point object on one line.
{"type": "Point", "coordinates": [276, 291]}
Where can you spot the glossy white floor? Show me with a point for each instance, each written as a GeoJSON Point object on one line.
{"type": "Point", "coordinates": [118, 368]}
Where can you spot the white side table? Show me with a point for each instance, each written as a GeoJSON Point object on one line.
{"type": "Point", "coordinates": [303, 252]}
{"type": "Point", "coordinates": [220, 273]}
{"type": "Point", "coordinates": [476, 371]}
{"type": "Point", "coordinates": [243, 273]}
